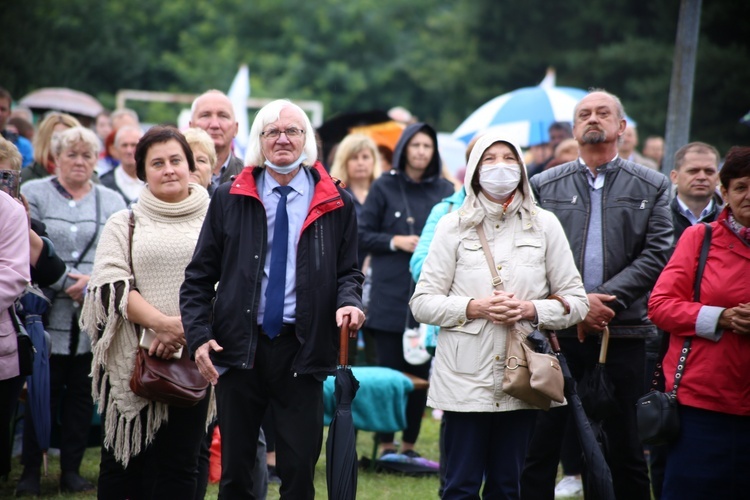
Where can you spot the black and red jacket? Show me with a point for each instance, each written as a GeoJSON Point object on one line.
{"type": "Point", "coordinates": [231, 250]}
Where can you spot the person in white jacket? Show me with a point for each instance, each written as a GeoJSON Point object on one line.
{"type": "Point", "coordinates": [486, 430]}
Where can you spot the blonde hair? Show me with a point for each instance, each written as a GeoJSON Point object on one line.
{"type": "Point", "coordinates": [350, 146]}
{"type": "Point", "coordinates": [43, 147]}
{"type": "Point", "coordinates": [9, 152]}
{"type": "Point", "coordinates": [199, 138]}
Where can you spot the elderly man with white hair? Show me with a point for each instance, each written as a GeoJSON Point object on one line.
{"type": "Point", "coordinates": [281, 241]}
{"type": "Point", "coordinates": [212, 111]}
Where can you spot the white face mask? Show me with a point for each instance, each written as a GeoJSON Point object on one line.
{"type": "Point", "coordinates": [500, 180]}
{"type": "Point", "coordinates": [289, 168]}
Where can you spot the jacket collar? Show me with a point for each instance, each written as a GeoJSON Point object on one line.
{"type": "Point", "coordinates": [325, 197]}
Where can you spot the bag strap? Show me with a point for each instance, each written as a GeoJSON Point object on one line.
{"type": "Point", "coordinates": [97, 200]}
{"type": "Point", "coordinates": [409, 218]}
{"type": "Point", "coordinates": [14, 319]}
{"type": "Point", "coordinates": [131, 230]}
{"type": "Point", "coordinates": [696, 297]}
{"type": "Point", "coordinates": [497, 281]}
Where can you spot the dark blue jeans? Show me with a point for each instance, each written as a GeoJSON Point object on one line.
{"type": "Point", "coordinates": [711, 458]}
{"type": "Point", "coordinates": [485, 447]}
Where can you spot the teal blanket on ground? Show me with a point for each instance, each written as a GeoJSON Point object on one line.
{"type": "Point", "coordinates": [380, 404]}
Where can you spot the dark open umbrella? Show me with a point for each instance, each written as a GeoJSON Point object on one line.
{"type": "Point", "coordinates": [333, 130]}
{"type": "Point", "coordinates": [597, 390]}
{"type": "Point", "coordinates": [341, 450]}
{"type": "Point", "coordinates": [34, 305]}
{"type": "Point", "coordinates": [598, 478]}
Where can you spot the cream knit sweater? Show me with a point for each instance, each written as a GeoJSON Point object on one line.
{"type": "Point", "coordinates": [163, 242]}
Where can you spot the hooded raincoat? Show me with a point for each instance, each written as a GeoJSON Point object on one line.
{"type": "Point", "coordinates": [533, 259]}
{"type": "Point", "coordinates": [384, 216]}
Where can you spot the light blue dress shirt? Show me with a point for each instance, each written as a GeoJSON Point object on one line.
{"type": "Point", "coordinates": [297, 206]}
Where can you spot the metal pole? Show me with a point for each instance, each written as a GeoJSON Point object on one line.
{"type": "Point", "coordinates": [681, 88]}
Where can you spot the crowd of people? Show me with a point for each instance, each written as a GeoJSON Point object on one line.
{"type": "Point", "coordinates": [249, 266]}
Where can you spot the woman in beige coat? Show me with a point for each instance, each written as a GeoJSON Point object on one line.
{"type": "Point", "coordinates": [486, 430]}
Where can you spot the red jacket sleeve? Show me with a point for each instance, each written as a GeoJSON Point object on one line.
{"type": "Point", "coordinates": [671, 305]}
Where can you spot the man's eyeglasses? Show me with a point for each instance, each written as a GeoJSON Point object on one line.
{"type": "Point", "coordinates": [290, 132]}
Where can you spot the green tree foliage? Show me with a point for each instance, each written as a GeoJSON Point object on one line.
{"type": "Point", "coordinates": [441, 59]}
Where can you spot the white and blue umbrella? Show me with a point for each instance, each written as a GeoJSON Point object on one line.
{"type": "Point", "coordinates": [524, 115]}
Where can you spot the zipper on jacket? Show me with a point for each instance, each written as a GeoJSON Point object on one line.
{"type": "Point", "coordinates": [317, 243]}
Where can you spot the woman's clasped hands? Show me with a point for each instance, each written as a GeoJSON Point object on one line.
{"type": "Point", "coordinates": [501, 308]}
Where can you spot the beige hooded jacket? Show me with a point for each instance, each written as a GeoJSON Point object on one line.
{"type": "Point", "coordinates": [533, 259]}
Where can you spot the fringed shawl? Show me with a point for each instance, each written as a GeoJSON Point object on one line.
{"type": "Point", "coordinates": [162, 230]}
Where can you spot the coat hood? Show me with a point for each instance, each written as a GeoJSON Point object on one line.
{"type": "Point", "coordinates": [523, 200]}
{"type": "Point", "coordinates": [399, 154]}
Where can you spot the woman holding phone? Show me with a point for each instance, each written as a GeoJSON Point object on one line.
{"type": "Point", "coordinates": [136, 282]}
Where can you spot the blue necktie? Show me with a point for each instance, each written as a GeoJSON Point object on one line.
{"type": "Point", "coordinates": [273, 317]}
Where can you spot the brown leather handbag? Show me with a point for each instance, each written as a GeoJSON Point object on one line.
{"type": "Point", "coordinates": [533, 377]}
{"type": "Point", "coordinates": [176, 382]}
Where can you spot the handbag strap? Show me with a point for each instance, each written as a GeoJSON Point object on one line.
{"type": "Point", "coordinates": [409, 218]}
{"type": "Point", "coordinates": [131, 230]}
{"type": "Point", "coordinates": [696, 297]}
{"type": "Point", "coordinates": [497, 281]}
{"type": "Point", "coordinates": [97, 201]}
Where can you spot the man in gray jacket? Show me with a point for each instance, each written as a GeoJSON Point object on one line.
{"type": "Point", "coordinates": [618, 223]}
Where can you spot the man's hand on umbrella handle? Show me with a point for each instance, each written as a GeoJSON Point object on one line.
{"type": "Point", "coordinates": [356, 317]}
{"type": "Point", "coordinates": [598, 317]}
{"type": "Point", "coordinates": [203, 360]}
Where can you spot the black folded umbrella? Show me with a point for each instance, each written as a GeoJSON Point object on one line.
{"type": "Point", "coordinates": [597, 477]}
{"type": "Point", "coordinates": [597, 390]}
{"type": "Point", "coordinates": [341, 446]}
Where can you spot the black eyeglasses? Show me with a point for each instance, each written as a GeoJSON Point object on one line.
{"type": "Point", "coordinates": [290, 132]}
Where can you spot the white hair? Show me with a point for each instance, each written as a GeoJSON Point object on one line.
{"type": "Point", "coordinates": [126, 128]}
{"type": "Point", "coordinates": [269, 114]}
{"type": "Point", "coordinates": [194, 106]}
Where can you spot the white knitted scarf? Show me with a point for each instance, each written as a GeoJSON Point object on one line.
{"type": "Point", "coordinates": [161, 228]}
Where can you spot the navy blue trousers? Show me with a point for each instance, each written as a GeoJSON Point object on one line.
{"type": "Point", "coordinates": [485, 447]}
{"type": "Point", "coordinates": [711, 458]}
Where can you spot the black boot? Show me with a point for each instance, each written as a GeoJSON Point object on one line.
{"type": "Point", "coordinates": [29, 484]}
{"type": "Point", "coordinates": [72, 482]}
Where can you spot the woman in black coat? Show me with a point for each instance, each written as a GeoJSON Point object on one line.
{"type": "Point", "coordinates": [392, 219]}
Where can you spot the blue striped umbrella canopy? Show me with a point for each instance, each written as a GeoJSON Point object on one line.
{"type": "Point", "coordinates": [524, 115]}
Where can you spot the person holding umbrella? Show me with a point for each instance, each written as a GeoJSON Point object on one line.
{"type": "Point", "coordinates": [486, 430]}
{"type": "Point", "coordinates": [616, 217]}
{"type": "Point", "coordinates": [281, 241]}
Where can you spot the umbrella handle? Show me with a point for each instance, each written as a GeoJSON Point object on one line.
{"type": "Point", "coordinates": [605, 346]}
{"type": "Point", "coordinates": [554, 342]}
{"type": "Point", "coordinates": [344, 341]}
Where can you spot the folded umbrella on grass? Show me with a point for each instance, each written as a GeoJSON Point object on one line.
{"type": "Point", "coordinates": [597, 477]}
{"type": "Point", "coordinates": [341, 446]}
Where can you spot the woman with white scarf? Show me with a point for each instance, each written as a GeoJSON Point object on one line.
{"type": "Point", "coordinates": [142, 456]}
{"type": "Point", "coordinates": [486, 430]}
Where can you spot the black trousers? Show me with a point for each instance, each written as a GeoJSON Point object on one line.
{"type": "Point", "coordinates": [624, 454]}
{"type": "Point", "coordinates": [390, 352]}
{"type": "Point", "coordinates": [70, 399]}
{"type": "Point", "coordinates": [10, 390]}
{"type": "Point", "coordinates": [243, 396]}
{"type": "Point", "coordinates": [489, 448]}
{"type": "Point", "coordinates": [167, 468]}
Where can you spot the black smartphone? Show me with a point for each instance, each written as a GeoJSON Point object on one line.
{"type": "Point", "coordinates": [10, 182]}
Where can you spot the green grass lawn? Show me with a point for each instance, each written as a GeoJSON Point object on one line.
{"type": "Point", "coordinates": [371, 485]}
